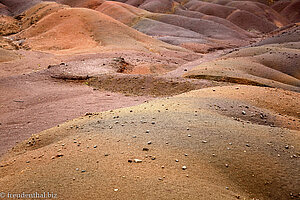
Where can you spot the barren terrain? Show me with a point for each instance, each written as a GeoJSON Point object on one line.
{"type": "Point", "coordinates": [150, 99]}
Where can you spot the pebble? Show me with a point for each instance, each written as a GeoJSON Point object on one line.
{"type": "Point", "coordinates": [184, 167]}
{"type": "Point", "coordinates": [287, 147]}
{"type": "Point", "coordinates": [95, 146]}
{"type": "Point", "coordinates": [226, 165]}
{"type": "Point", "coordinates": [247, 145]}
{"type": "Point", "coordinates": [147, 131]}
{"type": "Point", "coordinates": [189, 135]}
{"type": "Point", "coordinates": [116, 190]}
{"type": "Point", "coordinates": [145, 149]}
{"type": "Point", "coordinates": [83, 171]}
{"type": "Point", "coordinates": [204, 141]}
{"type": "Point", "coordinates": [149, 142]}
{"type": "Point", "coordinates": [137, 160]}
{"type": "Point", "coordinates": [134, 136]}
{"type": "Point", "coordinates": [176, 160]}
{"type": "Point", "coordinates": [244, 112]}
{"type": "Point", "coordinates": [185, 154]}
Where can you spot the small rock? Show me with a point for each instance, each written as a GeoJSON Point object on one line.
{"type": "Point", "coordinates": [149, 142]}
{"type": "Point", "coordinates": [176, 160]}
{"type": "Point", "coordinates": [95, 146]}
{"type": "Point", "coordinates": [116, 190]}
{"type": "Point", "coordinates": [287, 147]}
{"type": "Point", "coordinates": [184, 167]}
{"type": "Point", "coordinates": [204, 141]}
{"type": "Point", "coordinates": [244, 112]}
{"type": "Point", "coordinates": [226, 165]}
{"type": "Point", "coordinates": [82, 171]}
{"type": "Point", "coordinates": [137, 160]}
{"type": "Point", "coordinates": [145, 149]}
{"type": "Point", "coordinates": [189, 135]}
{"type": "Point", "coordinates": [134, 136]}
{"type": "Point", "coordinates": [147, 131]}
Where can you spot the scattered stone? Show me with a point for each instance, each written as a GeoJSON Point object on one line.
{"type": "Point", "coordinates": [185, 154]}
{"type": "Point", "coordinates": [77, 169]}
{"type": "Point", "coordinates": [116, 190]}
{"type": "Point", "coordinates": [244, 112]}
{"type": "Point", "coordinates": [82, 171]}
{"type": "Point", "coordinates": [204, 141]}
{"type": "Point", "coordinates": [74, 178]}
{"type": "Point", "coordinates": [184, 167]}
{"type": "Point", "coordinates": [106, 154]}
{"type": "Point", "coordinates": [145, 149]}
{"type": "Point", "coordinates": [226, 165]}
{"type": "Point", "coordinates": [247, 145]}
{"type": "Point", "coordinates": [137, 160]}
{"type": "Point", "coordinates": [163, 167]}
{"type": "Point", "coordinates": [287, 147]}
{"type": "Point", "coordinates": [147, 131]}
{"type": "Point", "coordinates": [176, 160]}
{"type": "Point", "coordinates": [95, 146]}
{"type": "Point", "coordinates": [152, 122]}
{"type": "Point", "coordinates": [189, 135]}
{"type": "Point", "coordinates": [28, 161]}
{"type": "Point", "coordinates": [227, 188]}
{"type": "Point", "coordinates": [134, 136]}
{"type": "Point", "coordinates": [149, 142]}
{"type": "Point", "coordinates": [153, 158]}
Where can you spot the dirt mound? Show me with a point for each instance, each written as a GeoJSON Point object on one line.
{"type": "Point", "coordinates": [197, 34]}
{"type": "Point", "coordinates": [94, 156]}
{"type": "Point", "coordinates": [9, 25]}
{"type": "Point", "coordinates": [18, 6]}
{"type": "Point", "coordinates": [209, 8]}
{"type": "Point", "coordinates": [274, 62]}
{"type": "Point", "coordinates": [157, 6]}
{"type": "Point", "coordinates": [261, 10]}
{"type": "Point", "coordinates": [37, 12]}
{"type": "Point", "coordinates": [4, 10]}
{"type": "Point", "coordinates": [55, 32]}
{"type": "Point", "coordinates": [287, 34]}
{"type": "Point", "coordinates": [250, 22]}
{"type": "Point", "coordinates": [291, 11]}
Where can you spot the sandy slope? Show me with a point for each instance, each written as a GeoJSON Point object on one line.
{"type": "Point", "coordinates": [273, 62]}
{"type": "Point", "coordinates": [225, 158]}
